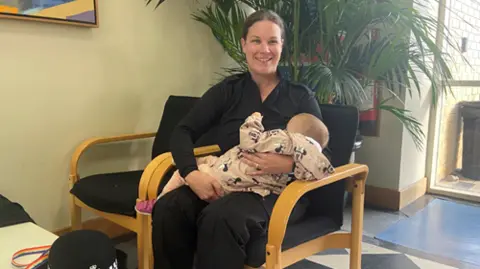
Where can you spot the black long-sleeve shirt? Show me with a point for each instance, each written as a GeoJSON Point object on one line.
{"type": "Point", "coordinates": [217, 116]}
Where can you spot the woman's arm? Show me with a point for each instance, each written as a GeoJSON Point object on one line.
{"type": "Point", "coordinates": [198, 121]}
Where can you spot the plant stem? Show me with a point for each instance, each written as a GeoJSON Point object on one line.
{"type": "Point", "coordinates": [296, 36]}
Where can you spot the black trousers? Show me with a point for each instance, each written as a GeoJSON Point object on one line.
{"type": "Point", "coordinates": [217, 234]}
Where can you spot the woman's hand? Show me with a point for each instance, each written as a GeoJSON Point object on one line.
{"type": "Point", "coordinates": [268, 163]}
{"type": "Point", "coordinates": [204, 186]}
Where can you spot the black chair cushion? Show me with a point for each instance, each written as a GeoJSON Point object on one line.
{"type": "Point", "coordinates": [112, 193]}
{"type": "Point", "coordinates": [117, 192]}
{"type": "Point", "coordinates": [296, 234]}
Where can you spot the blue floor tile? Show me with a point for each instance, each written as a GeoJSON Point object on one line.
{"type": "Point", "coordinates": [443, 228]}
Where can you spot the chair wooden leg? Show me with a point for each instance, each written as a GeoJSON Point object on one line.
{"type": "Point", "coordinates": [144, 245]}
{"type": "Point", "coordinates": [141, 244]}
{"type": "Point", "coordinates": [357, 226]}
{"type": "Point", "coordinates": [149, 243]}
{"type": "Point", "coordinates": [273, 259]}
{"type": "Point", "coordinates": [75, 215]}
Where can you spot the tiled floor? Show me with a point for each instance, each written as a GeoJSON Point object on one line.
{"type": "Point", "coordinates": [376, 254]}
{"type": "Point", "coordinates": [373, 257]}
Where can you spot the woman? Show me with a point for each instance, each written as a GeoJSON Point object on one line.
{"type": "Point", "coordinates": [198, 220]}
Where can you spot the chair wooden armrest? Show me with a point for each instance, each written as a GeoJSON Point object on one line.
{"type": "Point", "coordinates": [289, 197]}
{"type": "Point", "coordinates": [151, 179]}
{"type": "Point", "coordinates": [156, 170]}
{"type": "Point", "coordinates": [80, 149]}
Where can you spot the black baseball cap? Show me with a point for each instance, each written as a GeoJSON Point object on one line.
{"type": "Point", "coordinates": [84, 249]}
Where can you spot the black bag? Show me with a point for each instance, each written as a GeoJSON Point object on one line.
{"type": "Point", "coordinates": [12, 213]}
{"type": "Point", "coordinates": [470, 112]}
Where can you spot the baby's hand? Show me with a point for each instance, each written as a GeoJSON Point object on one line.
{"type": "Point", "coordinates": [256, 115]}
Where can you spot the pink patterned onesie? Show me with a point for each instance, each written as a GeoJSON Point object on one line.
{"type": "Point", "coordinates": [232, 173]}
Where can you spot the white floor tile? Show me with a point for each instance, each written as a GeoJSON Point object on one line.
{"type": "Point", "coordinates": [426, 264]}
{"type": "Point", "coordinates": [333, 261]}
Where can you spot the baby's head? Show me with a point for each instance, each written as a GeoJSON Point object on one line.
{"type": "Point", "coordinates": [310, 126]}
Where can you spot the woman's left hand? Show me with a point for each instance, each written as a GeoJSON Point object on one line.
{"type": "Point", "coordinates": [268, 163]}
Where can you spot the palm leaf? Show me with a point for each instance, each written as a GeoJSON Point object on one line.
{"type": "Point", "coordinates": [159, 2]}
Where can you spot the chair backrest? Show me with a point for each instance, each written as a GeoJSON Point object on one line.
{"type": "Point", "coordinates": [175, 109]}
{"type": "Point", "coordinates": [342, 122]}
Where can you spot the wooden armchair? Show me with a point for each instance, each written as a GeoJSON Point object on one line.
{"type": "Point", "coordinates": [113, 195]}
{"type": "Point", "coordinates": [289, 243]}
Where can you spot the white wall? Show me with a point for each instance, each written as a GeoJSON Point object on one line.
{"type": "Point", "coordinates": [383, 154]}
{"type": "Point", "coordinates": [394, 161]}
{"type": "Point", "coordinates": [61, 84]}
{"type": "Point", "coordinates": [413, 160]}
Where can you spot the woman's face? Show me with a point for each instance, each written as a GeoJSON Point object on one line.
{"type": "Point", "coordinates": [263, 47]}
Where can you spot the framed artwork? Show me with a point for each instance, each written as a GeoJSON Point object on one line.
{"type": "Point", "coordinates": [73, 12]}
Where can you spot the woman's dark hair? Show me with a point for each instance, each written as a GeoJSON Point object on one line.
{"type": "Point", "coordinates": [262, 15]}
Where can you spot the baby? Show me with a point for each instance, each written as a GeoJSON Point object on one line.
{"type": "Point", "coordinates": [304, 139]}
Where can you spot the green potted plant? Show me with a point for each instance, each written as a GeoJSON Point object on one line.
{"type": "Point", "coordinates": [340, 48]}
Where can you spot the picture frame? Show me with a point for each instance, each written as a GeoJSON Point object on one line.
{"type": "Point", "coordinates": [82, 13]}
